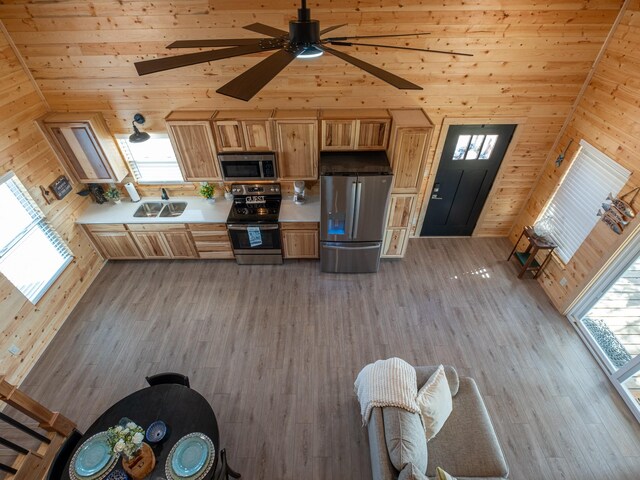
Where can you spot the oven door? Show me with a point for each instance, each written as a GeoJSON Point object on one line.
{"type": "Point", "coordinates": [256, 244]}
{"type": "Point", "coordinates": [255, 239]}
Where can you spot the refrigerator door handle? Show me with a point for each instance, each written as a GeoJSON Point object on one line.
{"type": "Point", "coordinates": [356, 210]}
{"type": "Point", "coordinates": [350, 247]}
{"type": "Point", "coordinates": [354, 190]}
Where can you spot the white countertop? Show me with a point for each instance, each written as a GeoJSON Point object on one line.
{"type": "Point", "coordinates": [309, 211]}
{"type": "Point", "coordinates": [198, 211]}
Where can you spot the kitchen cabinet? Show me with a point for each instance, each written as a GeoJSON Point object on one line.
{"type": "Point", "coordinates": [396, 237]}
{"type": "Point", "coordinates": [300, 239]}
{"type": "Point", "coordinates": [297, 144]}
{"type": "Point", "coordinates": [192, 139]}
{"type": "Point", "coordinates": [354, 129]}
{"type": "Point", "coordinates": [113, 241]}
{"type": "Point", "coordinates": [165, 240]}
{"type": "Point", "coordinates": [211, 240]}
{"type": "Point", "coordinates": [243, 130]}
{"type": "Point", "coordinates": [85, 146]}
{"type": "Point", "coordinates": [409, 145]}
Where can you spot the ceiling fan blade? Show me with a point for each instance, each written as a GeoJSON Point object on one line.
{"type": "Point", "coordinates": [246, 85]}
{"type": "Point", "coordinates": [167, 63]}
{"type": "Point", "coordinates": [330, 29]}
{"type": "Point", "coordinates": [388, 77]}
{"type": "Point", "coordinates": [377, 36]}
{"type": "Point", "coordinates": [266, 30]}
{"type": "Point", "coordinates": [348, 44]}
{"type": "Point", "coordinates": [221, 42]}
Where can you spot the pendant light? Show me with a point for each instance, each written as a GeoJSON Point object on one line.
{"type": "Point", "coordinates": [137, 136]}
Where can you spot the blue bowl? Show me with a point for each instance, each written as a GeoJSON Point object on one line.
{"type": "Point", "coordinates": [118, 474]}
{"type": "Point", "coordinates": [156, 431]}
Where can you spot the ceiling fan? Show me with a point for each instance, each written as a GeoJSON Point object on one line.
{"type": "Point", "coordinates": [304, 40]}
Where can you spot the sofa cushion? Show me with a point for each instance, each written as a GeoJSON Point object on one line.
{"type": "Point", "coordinates": [411, 472]}
{"type": "Point", "coordinates": [404, 436]}
{"type": "Point", "coordinates": [434, 400]}
{"type": "Point", "coordinates": [424, 373]}
{"type": "Point", "coordinates": [467, 445]}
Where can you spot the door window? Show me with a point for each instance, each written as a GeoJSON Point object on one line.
{"type": "Point", "coordinates": [474, 147]}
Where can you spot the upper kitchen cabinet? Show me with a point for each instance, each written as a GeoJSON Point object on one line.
{"type": "Point", "coordinates": [354, 129]}
{"type": "Point", "coordinates": [85, 146]}
{"type": "Point", "coordinates": [192, 140]}
{"type": "Point", "coordinates": [297, 144]}
{"type": "Point", "coordinates": [243, 130]}
{"type": "Point", "coordinates": [410, 135]}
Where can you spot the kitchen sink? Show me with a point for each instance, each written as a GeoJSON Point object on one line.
{"type": "Point", "coordinates": [173, 209]}
{"type": "Point", "coordinates": [160, 209]}
{"type": "Point", "coordinates": [149, 209]}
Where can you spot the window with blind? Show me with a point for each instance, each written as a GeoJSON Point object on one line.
{"type": "Point", "coordinates": [153, 161]}
{"type": "Point", "coordinates": [32, 255]}
{"type": "Point", "coordinates": [571, 213]}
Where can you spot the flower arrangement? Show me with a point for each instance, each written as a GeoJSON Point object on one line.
{"type": "Point", "coordinates": [125, 439]}
{"type": "Point", "coordinates": [207, 190]}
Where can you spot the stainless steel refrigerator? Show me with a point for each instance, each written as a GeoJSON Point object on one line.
{"type": "Point", "coordinates": [354, 194]}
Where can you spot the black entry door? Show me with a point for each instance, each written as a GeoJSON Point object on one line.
{"type": "Point", "coordinates": [469, 163]}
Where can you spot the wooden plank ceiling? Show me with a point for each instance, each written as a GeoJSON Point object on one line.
{"type": "Point", "coordinates": [530, 60]}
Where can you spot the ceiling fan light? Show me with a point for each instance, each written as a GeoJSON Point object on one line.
{"type": "Point", "coordinates": [310, 52]}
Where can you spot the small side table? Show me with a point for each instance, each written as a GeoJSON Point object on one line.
{"type": "Point", "coordinates": [527, 259]}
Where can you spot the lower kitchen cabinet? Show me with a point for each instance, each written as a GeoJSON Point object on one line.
{"type": "Point", "coordinates": [396, 237]}
{"type": "Point", "coordinates": [211, 240]}
{"type": "Point", "coordinates": [163, 240]}
{"type": "Point", "coordinates": [300, 239]}
{"type": "Point", "coordinates": [113, 241]}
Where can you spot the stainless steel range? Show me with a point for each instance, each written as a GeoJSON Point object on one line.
{"type": "Point", "coordinates": [253, 223]}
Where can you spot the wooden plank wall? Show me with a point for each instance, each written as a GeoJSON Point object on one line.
{"type": "Point", "coordinates": [608, 117]}
{"type": "Point", "coordinates": [530, 59]}
{"type": "Point", "coordinates": [24, 151]}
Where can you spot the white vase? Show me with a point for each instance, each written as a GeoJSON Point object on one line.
{"type": "Point", "coordinates": [228, 196]}
{"type": "Point", "coordinates": [211, 200]}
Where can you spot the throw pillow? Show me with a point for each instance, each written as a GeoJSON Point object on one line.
{"type": "Point", "coordinates": [435, 402]}
{"type": "Point", "coordinates": [442, 475]}
{"type": "Point", "coordinates": [411, 472]}
{"type": "Point", "coordinates": [405, 439]}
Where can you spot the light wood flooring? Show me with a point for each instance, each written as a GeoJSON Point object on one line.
{"type": "Point", "coordinates": [275, 349]}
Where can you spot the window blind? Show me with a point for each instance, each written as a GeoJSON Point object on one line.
{"type": "Point", "coordinates": [153, 161]}
{"type": "Point", "coordinates": [32, 254]}
{"type": "Point", "coordinates": [571, 213]}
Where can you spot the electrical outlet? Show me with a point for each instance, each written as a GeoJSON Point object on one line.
{"type": "Point", "coordinates": [14, 350]}
{"type": "Point", "coordinates": [563, 282]}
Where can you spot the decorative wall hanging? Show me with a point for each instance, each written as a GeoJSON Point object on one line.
{"type": "Point", "coordinates": [618, 213]}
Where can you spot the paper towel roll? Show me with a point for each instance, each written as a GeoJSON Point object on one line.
{"type": "Point", "coordinates": [133, 193]}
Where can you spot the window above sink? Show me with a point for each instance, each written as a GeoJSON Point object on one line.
{"type": "Point", "coordinates": [153, 161]}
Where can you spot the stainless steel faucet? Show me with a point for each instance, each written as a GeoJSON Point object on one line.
{"type": "Point", "coordinates": [164, 195]}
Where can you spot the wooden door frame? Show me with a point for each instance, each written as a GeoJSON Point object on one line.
{"type": "Point", "coordinates": [442, 136]}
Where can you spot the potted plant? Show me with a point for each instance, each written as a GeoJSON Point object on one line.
{"type": "Point", "coordinates": [126, 440]}
{"type": "Point", "coordinates": [113, 194]}
{"type": "Point", "coordinates": [208, 190]}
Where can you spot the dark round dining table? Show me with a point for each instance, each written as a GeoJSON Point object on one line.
{"type": "Point", "coordinates": [183, 410]}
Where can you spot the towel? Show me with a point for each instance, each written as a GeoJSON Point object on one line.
{"type": "Point", "coordinates": [255, 237]}
{"type": "Point", "coordinates": [387, 383]}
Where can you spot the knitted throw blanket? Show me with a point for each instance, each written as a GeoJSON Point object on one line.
{"type": "Point", "coordinates": [386, 383]}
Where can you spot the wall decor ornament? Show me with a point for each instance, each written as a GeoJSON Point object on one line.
{"type": "Point", "coordinates": [618, 213]}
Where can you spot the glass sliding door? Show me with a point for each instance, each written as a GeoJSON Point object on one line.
{"type": "Point", "coordinates": [608, 319]}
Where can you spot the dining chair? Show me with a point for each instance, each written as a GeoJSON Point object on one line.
{"type": "Point", "coordinates": [62, 457]}
{"type": "Point", "coordinates": [225, 470]}
{"type": "Point", "coordinates": [168, 377]}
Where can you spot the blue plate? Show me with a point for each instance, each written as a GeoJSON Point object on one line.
{"type": "Point", "coordinates": [93, 455]}
{"type": "Point", "coordinates": [156, 431]}
{"type": "Point", "coordinates": [118, 474]}
{"type": "Point", "coordinates": [190, 455]}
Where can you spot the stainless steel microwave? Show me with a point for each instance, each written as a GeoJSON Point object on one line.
{"type": "Point", "coordinates": [248, 166]}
